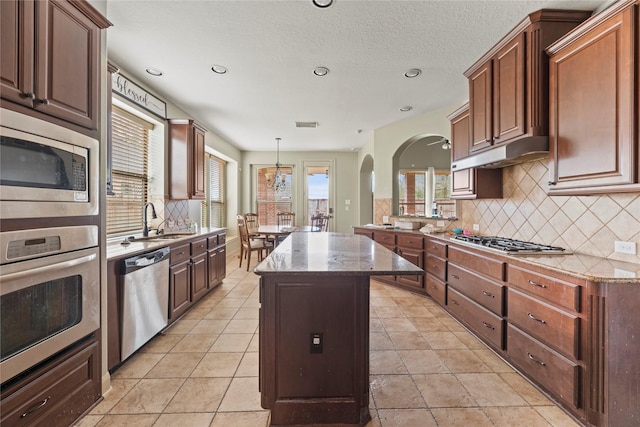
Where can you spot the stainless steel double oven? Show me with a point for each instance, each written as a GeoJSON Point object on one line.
{"type": "Point", "coordinates": [49, 254]}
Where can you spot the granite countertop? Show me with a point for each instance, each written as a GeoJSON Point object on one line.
{"type": "Point", "coordinates": [333, 254]}
{"type": "Point", "coordinates": [116, 250]}
{"type": "Point", "coordinates": [582, 266]}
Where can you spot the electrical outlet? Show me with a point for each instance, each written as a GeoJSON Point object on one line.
{"type": "Point", "coordinates": [625, 247]}
{"type": "Point", "coordinates": [476, 227]}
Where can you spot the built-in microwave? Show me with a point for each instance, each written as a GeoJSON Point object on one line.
{"type": "Point", "coordinates": [46, 170]}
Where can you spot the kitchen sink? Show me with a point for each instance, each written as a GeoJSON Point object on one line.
{"type": "Point", "coordinates": [166, 236]}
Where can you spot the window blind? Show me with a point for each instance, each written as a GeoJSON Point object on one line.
{"type": "Point", "coordinates": [213, 208]}
{"type": "Point", "coordinates": [130, 162]}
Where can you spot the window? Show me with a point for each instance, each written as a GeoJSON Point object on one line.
{"type": "Point", "coordinates": [130, 168]}
{"type": "Point", "coordinates": [269, 201]}
{"type": "Point", "coordinates": [213, 207]}
{"type": "Point", "coordinates": [412, 192]}
{"type": "Point", "coordinates": [418, 190]}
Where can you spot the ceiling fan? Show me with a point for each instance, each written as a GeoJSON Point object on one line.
{"type": "Point", "coordinates": [446, 144]}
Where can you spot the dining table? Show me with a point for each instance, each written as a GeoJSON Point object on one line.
{"type": "Point", "coordinates": [277, 231]}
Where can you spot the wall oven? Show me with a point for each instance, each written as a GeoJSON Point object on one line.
{"type": "Point", "coordinates": [49, 293]}
{"type": "Point", "coordinates": [45, 169]}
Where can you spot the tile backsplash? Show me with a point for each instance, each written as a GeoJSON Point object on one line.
{"type": "Point", "coordinates": [582, 224]}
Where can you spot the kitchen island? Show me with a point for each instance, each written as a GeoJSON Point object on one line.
{"type": "Point", "coordinates": [314, 326]}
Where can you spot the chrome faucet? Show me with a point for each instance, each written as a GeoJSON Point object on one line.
{"type": "Point", "coordinates": [145, 228]}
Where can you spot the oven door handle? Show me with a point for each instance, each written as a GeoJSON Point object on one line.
{"type": "Point", "coordinates": [47, 268]}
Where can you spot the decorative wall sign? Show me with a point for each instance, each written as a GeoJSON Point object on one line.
{"type": "Point", "coordinates": [134, 93]}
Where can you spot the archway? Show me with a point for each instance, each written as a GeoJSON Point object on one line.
{"type": "Point", "coordinates": [366, 190]}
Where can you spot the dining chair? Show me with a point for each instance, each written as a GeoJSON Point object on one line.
{"type": "Point", "coordinates": [248, 245]}
{"type": "Point", "coordinates": [286, 219]}
{"type": "Point", "coordinates": [319, 222]}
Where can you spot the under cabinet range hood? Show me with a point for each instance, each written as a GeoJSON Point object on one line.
{"type": "Point", "coordinates": [500, 156]}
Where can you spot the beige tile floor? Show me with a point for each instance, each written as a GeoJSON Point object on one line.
{"type": "Point", "coordinates": [426, 370]}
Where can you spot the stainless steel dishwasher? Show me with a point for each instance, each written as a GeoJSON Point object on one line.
{"type": "Point", "coordinates": [145, 299]}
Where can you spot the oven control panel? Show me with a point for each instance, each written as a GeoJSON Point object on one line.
{"type": "Point", "coordinates": [29, 247]}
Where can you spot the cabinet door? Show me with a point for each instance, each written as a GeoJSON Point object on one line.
{"type": "Point", "coordinates": [16, 60]}
{"type": "Point", "coordinates": [213, 267]}
{"type": "Point", "coordinates": [415, 257]}
{"type": "Point", "coordinates": [508, 91]}
{"type": "Point", "coordinates": [592, 104]}
{"type": "Point", "coordinates": [480, 94]}
{"type": "Point", "coordinates": [179, 289]}
{"type": "Point", "coordinates": [197, 169]}
{"type": "Point", "coordinates": [67, 64]}
{"type": "Point", "coordinates": [199, 277]}
{"type": "Point", "coordinates": [221, 266]}
{"type": "Point", "coordinates": [462, 181]}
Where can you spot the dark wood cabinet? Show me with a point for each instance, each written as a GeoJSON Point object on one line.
{"type": "Point", "coordinates": [508, 86]}
{"type": "Point", "coordinates": [593, 106]}
{"type": "Point", "coordinates": [186, 177]}
{"type": "Point", "coordinates": [58, 392]}
{"type": "Point", "coordinates": [51, 56]}
{"type": "Point", "coordinates": [473, 183]}
{"type": "Point", "coordinates": [179, 281]}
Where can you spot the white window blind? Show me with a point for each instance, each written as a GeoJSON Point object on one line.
{"type": "Point", "coordinates": [213, 208]}
{"type": "Point", "coordinates": [130, 161]}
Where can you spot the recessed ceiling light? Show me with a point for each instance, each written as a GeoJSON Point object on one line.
{"type": "Point", "coordinates": [406, 108]}
{"type": "Point", "coordinates": [219, 69]}
{"type": "Point", "coordinates": [321, 71]}
{"type": "Point", "coordinates": [414, 72]}
{"type": "Point", "coordinates": [154, 72]}
{"type": "Point", "coordinates": [322, 3]}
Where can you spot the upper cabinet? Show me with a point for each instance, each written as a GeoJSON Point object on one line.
{"type": "Point", "coordinates": [594, 105]}
{"type": "Point", "coordinates": [51, 61]}
{"type": "Point", "coordinates": [508, 86]}
{"type": "Point", "coordinates": [186, 178]}
{"type": "Point", "coordinates": [470, 183]}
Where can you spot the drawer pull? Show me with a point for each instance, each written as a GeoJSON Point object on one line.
{"type": "Point", "coordinates": [29, 95]}
{"type": "Point", "coordinates": [488, 325]}
{"type": "Point", "coordinates": [454, 302]}
{"type": "Point", "coordinates": [434, 265]}
{"type": "Point", "coordinates": [36, 407]}
{"type": "Point", "coordinates": [538, 361]}
{"type": "Point", "coordinates": [181, 253]}
{"type": "Point", "coordinates": [532, 317]}
{"type": "Point", "coordinates": [488, 294]}
{"type": "Point", "coordinates": [539, 285]}
{"type": "Point", "coordinates": [455, 277]}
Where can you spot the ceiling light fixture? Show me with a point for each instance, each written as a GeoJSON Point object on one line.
{"type": "Point", "coordinates": [446, 145]}
{"type": "Point", "coordinates": [406, 108]}
{"type": "Point", "coordinates": [154, 72]}
{"type": "Point", "coordinates": [322, 3]}
{"type": "Point", "coordinates": [279, 181]}
{"type": "Point", "coordinates": [414, 72]}
{"type": "Point", "coordinates": [321, 71]}
{"type": "Point", "coordinates": [219, 69]}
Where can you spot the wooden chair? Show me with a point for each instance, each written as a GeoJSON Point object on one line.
{"type": "Point", "coordinates": [248, 245]}
{"type": "Point", "coordinates": [319, 222]}
{"type": "Point", "coordinates": [286, 219]}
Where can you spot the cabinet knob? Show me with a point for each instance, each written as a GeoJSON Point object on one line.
{"type": "Point", "coordinates": [488, 294]}
{"type": "Point", "coordinates": [29, 95]}
{"type": "Point", "coordinates": [44, 101]}
{"type": "Point", "coordinates": [455, 277]}
{"type": "Point", "coordinates": [488, 141]}
{"type": "Point", "coordinates": [535, 359]}
{"type": "Point", "coordinates": [454, 302]}
{"type": "Point", "coordinates": [488, 325]}
{"type": "Point", "coordinates": [532, 317]}
{"type": "Point", "coordinates": [551, 183]}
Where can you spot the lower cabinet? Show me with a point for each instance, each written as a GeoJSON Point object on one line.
{"type": "Point", "coordinates": [489, 326]}
{"type": "Point", "coordinates": [57, 393]}
{"type": "Point", "coordinates": [179, 281]}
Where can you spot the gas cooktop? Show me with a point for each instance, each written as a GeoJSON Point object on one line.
{"type": "Point", "coordinates": [509, 246]}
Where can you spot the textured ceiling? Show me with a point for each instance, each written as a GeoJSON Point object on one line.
{"type": "Point", "coordinates": [271, 47]}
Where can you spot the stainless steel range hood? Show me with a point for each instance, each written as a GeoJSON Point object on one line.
{"type": "Point", "coordinates": [519, 151]}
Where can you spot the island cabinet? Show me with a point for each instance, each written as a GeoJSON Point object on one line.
{"type": "Point", "coordinates": [473, 183]}
{"type": "Point", "coordinates": [476, 292]}
{"type": "Point", "coordinates": [186, 177]}
{"type": "Point", "coordinates": [436, 269]}
{"type": "Point", "coordinates": [508, 86]}
{"type": "Point", "coordinates": [51, 60]}
{"type": "Point", "coordinates": [594, 105]}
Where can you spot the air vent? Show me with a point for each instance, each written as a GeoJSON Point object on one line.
{"type": "Point", "coordinates": [306, 124]}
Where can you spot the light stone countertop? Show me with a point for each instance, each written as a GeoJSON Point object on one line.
{"type": "Point", "coordinates": [333, 254]}
{"type": "Point", "coordinates": [116, 250]}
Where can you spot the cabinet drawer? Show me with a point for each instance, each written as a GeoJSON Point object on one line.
{"type": "Point", "coordinates": [222, 239]}
{"type": "Point", "coordinates": [485, 292]}
{"type": "Point", "coordinates": [58, 396]}
{"type": "Point", "coordinates": [436, 266]}
{"type": "Point", "coordinates": [548, 368]}
{"type": "Point", "coordinates": [386, 239]}
{"type": "Point", "coordinates": [436, 248]}
{"type": "Point", "coordinates": [198, 247]}
{"type": "Point", "coordinates": [437, 290]}
{"type": "Point", "coordinates": [486, 324]}
{"type": "Point", "coordinates": [212, 241]}
{"type": "Point", "coordinates": [360, 231]}
{"type": "Point", "coordinates": [180, 253]}
{"type": "Point", "coordinates": [556, 328]}
{"type": "Point", "coordinates": [552, 289]}
{"type": "Point", "coordinates": [410, 241]}
{"type": "Point", "coordinates": [481, 264]}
